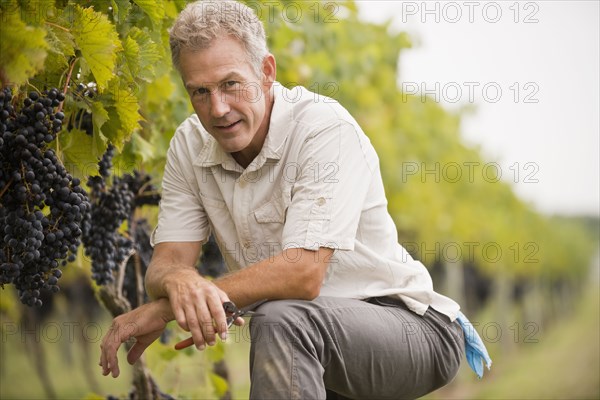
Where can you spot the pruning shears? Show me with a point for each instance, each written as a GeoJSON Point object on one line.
{"type": "Point", "coordinates": [233, 312]}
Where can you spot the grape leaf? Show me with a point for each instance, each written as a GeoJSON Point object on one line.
{"type": "Point", "coordinates": [98, 41]}
{"type": "Point", "coordinates": [62, 46]}
{"type": "Point", "coordinates": [149, 54]}
{"type": "Point", "coordinates": [131, 56]}
{"type": "Point", "coordinates": [93, 396]}
{"type": "Point", "coordinates": [99, 114]}
{"type": "Point", "coordinates": [23, 49]}
{"type": "Point", "coordinates": [121, 9]}
{"type": "Point", "coordinates": [219, 384]}
{"type": "Point", "coordinates": [168, 353]}
{"type": "Point", "coordinates": [80, 153]}
{"type": "Point", "coordinates": [215, 353]}
{"type": "Point", "coordinates": [142, 148]}
{"type": "Point", "coordinates": [155, 10]}
{"type": "Point", "coordinates": [123, 116]}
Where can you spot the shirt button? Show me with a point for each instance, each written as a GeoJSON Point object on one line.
{"type": "Point", "coordinates": [320, 201]}
{"type": "Point", "coordinates": [247, 244]}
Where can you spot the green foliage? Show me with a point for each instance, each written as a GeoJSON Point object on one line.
{"type": "Point", "coordinates": [77, 147]}
{"type": "Point", "coordinates": [220, 385]}
{"type": "Point", "coordinates": [112, 60]}
{"type": "Point", "coordinates": [23, 49]}
{"type": "Point", "coordinates": [420, 147]}
{"type": "Point", "coordinates": [118, 51]}
{"type": "Point", "coordinates": [97, 40]}
{"type": "Point", "coordinates": [104, 55]}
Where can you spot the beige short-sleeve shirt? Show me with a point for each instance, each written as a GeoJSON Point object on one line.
{"type": "Point", "coordinates": [315, 183]}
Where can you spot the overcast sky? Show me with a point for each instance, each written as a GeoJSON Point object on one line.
{"type": "Point", "coordinates": [531, 69]}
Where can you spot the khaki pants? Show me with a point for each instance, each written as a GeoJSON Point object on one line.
{"type": "Point", "coordinates": [336, 348]}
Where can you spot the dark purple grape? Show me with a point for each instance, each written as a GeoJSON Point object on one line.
{"type": "Point", "coordinates": [42, 206]}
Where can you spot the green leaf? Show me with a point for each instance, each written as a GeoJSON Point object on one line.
{"type": "Point", "coordinates": [99, 114]}
{"type": "Point", "coordinates": [142, 148]}
{"type": "Point", "coordinates": [136, 153]}
{"type": "Point", "coordinates": [123, 116]}
{"type": "Point", "coordinates": [168, 353]}
{"type": "Point", "coordinates": [62, 46]}
{"type": "Point", "coordinates": [98, 42]}
{"type": "Point", "coordinates": [80, 153]}
{"type": "Point", "coordinates": [159, 89]}
{"type": "Point", "coordinates": [61, 50]}
{"type": "Point", "coordinates": [148, 55]}
{"type": "Point", "coordinates": [155, 10]}
{"type": "Point", "coordinates": [220, 385]}
{"type": "Point", "coordinates": [121, 9]}
{"type": "Point", "coordinates": [93, 396]}
{"type": "Point", "coordinates": [216, 353]}
{"type": "Point", "coordinates": [22, 49]}
{"type": "Point", "coordinates": [131, 54]}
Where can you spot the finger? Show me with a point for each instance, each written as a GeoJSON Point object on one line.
{"type": "Point", "coordinates": [120, 331]}
{"type": "Point", "coordinates": [136, 352]}
{"type": "Point", "coordinates": [218, 314]}
{"type": "Point", "coordinates": [102, 362]}
{"type": "Point", "coordinates": [109, 347]}
{"type": "Point", "coordinates": [239, 321]}
{"type": "Point", "coordinates": [184, 343]}
{"type": "Point", "coordinates": [180, 314]}
{"type": "Point", "coordinates": [194, 328]}
{"type": "Point", "coordinates": [206, 324]}
{"type": "Point", "coordinates": [114, 366]}
{"type": "Point", "coordinates": [112, 361]}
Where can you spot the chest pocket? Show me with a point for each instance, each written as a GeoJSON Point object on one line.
{"type": "Point", "coordinates": [271, 212]}
{"type": "Point", "coordinates": [275, 209]}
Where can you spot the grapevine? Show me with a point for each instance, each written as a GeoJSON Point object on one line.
{"type": "Point", "coordinates": [42, 206]}
{"type": "Point", "coordinates": [111, 207]}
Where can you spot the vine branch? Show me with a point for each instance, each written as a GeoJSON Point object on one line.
{"type": "Point", "coordinates": [57, 26]}
{"type": "Point", "coordinates": [67, 81]}
{"type": "Point", "coordinates": [5, 188]}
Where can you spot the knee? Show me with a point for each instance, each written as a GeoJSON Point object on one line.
{"type": "Point", "coordinates": [282, 311]}
{"type": "Point", "coordinates": [280, 318]}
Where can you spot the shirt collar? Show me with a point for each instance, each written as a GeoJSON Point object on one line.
{"type": "Point", "coordinates": [279, 128]}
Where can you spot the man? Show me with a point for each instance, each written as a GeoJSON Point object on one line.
{"type": "Point", "coordinates": [290, 187]}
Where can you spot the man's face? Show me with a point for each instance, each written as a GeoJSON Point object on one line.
{"type": "Point", "coordinates": [230, 100]}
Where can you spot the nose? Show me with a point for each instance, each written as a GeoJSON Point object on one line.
{"type": "Point", "coordinates": [219, 107]}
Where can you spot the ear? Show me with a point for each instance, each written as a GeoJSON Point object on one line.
{"type": "Point", "coordinates": [269, 71]}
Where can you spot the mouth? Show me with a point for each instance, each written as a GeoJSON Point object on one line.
{"type": "Point", "coordinates": [227, 127]}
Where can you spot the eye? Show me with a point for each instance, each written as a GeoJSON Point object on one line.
{"type": "Point", "coordinates": [201, 91]}
{"type": "Point", "coordinates": [231, 84]}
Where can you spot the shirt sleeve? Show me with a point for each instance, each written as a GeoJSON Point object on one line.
{"type": "Point", "coordinates": [181, 215]}
{"type": "Point", "coordinates": [336, 166]}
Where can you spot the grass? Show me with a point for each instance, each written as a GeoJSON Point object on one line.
{"type": "Point", "coordinates": [184, 376]}
{"type": "Point", "coordinates": [564, 364]}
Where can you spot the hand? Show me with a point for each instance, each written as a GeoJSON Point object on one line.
{"type": "Point", "coordinates": [239, 321]}
{"type": "Point", "coordinates": [145, 324]}
{"type": "Point", "coordinates": [197, 306]}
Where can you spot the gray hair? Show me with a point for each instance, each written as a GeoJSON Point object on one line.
{"type": "Point", "coordinates": [201, 22]}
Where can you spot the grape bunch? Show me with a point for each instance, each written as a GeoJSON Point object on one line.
{"type": "Point", "coordinates": [143, 255]}
{"type": "Point", "coordinates": [42, 207]}
{"type": "Point", "coordinates": [111, 207]}
{"type": "Point", "coordinates": [211, 261]}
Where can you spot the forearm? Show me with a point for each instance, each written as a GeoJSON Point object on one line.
{"type": "Point", "coordinates": [292, 274]}
{"type": "Point", "coordinates": [170, 264]}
